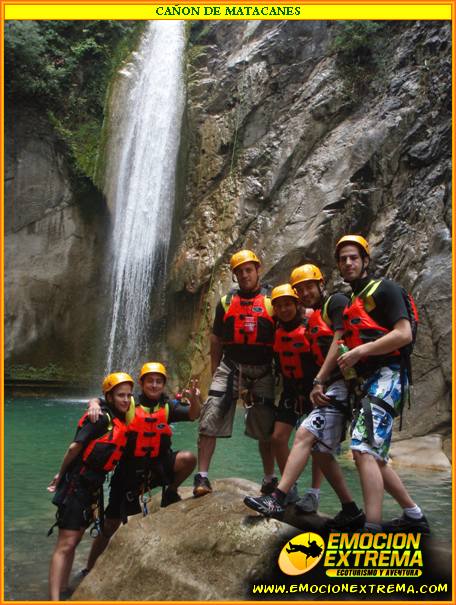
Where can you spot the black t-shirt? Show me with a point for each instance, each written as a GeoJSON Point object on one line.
{"type": "Point", "coordinates": [241, 353]}
{"type": "Point", "coordinates": [335, 310]}
{"type": "Point", "coordinates": [92, 430]}
{"type": "Point", "coordinates": [389, 302]}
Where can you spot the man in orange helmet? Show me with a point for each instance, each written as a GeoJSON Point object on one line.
{"type": "Point", "coordinates": [378, 331]}
{"type": "Point", "coordinates": [241, 361]}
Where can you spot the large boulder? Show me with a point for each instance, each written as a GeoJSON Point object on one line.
{"type": "Point", "coordinates": [207, 548]}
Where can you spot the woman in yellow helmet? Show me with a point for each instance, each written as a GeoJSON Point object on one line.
{"type": "Point", "coordinates": [95, 450]}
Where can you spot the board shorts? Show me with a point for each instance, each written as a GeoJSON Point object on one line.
{"type": "Point", "coordinates": [128, 484]}
{"type": "Point", "coordinates": [385, 384]}
{"type": "Point", "coordinates": [217, 413]}
{"type": "Point", "coordinates": [328, 422]}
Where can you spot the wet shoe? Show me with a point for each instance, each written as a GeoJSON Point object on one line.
{"type": "Point", "coordinates": [265, 505]}
{"type": "Point", "coordinates": [201, 486]}
{"type": "Point", "coordinates": [307, 504]}
{"type": "Point", "coordinates": [267, 487]}
{"type": "Point", "coordinates": [170, 496]}
{"type": "Point", "coordinates": [406, 523]}
{"type": "Point", "coordinates": [292, 495]}
{"type": "Point", "coordinates": [346, 521]}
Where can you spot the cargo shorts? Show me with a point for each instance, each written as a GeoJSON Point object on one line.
{"type": "Point", "coordinates": [217, 414]}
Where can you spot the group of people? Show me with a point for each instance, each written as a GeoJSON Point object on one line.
{"type": "Point", "coordinates": [342, 361]}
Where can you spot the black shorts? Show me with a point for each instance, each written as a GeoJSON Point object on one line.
{"type": "Point", "coordinates": [77, 510]}
{"type": "Point", "coordinates": [128, 482]}
{"type": "Point", "coordinates": [285, 411]}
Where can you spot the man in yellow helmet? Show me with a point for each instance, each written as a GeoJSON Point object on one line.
{"type": "Point", "coordinates": [321, 431]}
{"type": "Point", "coordinates": [241, 357]}
{"type": "Point", "coordinates": [148, 461]}
{"type": "Point", "coordinates": [378, 331]}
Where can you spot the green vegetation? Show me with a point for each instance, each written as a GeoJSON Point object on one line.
{"type": "Point", "coordinates": [63, 68]}
{"type": "Point", "coordinates": [49, 372]}
{"type": "Point", "coordinates": [360, 48]}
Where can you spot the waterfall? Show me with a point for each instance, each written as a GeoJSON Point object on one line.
{"type": "Point", "coordinates": [146, 116]}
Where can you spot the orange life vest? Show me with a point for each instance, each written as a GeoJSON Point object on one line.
{"type": "Point", "coordinates": [247, 321]}
{"type": "Point", "coordinates": [291, 348]}
{"type": "Point", "coordinates": [103, 454]}
{"type": "Point", "coordinates": [150, 428]}
{"type": "Point", "coordinates": [320, 334]}
{"type": "Point", "coordinates": [359, 326]}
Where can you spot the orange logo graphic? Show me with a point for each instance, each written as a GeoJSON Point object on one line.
{"type": "Point", "coordinates": [301, 554]}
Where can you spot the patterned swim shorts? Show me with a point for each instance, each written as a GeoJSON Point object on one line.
{"type": "Point", "coordinates": [384, 384]}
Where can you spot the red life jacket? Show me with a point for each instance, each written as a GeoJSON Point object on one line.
{"type": "Point", "coordinates": [291, 347]}
{"type": "Point", "coordinates": [320, 334]}
{"type": "Point", "coordinates": [104, 453]}
{"type": "Point", "coordinates": [359, 326]}
{"type": "Point", "coordinates": [150, 428]}
{"type": "Point", "coordinates": [247, 321]}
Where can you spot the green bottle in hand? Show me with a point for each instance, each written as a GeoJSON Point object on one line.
{"type": "Point", "coordinates": [348, 373]}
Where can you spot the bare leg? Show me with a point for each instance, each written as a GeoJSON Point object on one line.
{"type": "Point", "coordinates": [110, 526]}
{"type": "Point", "coordinates": [206, 448]}
{"type": "Point", "coordinates": [297, 459]}
{"type": "Point", "coordinates": [333, 473]}
{"type": "Point", "coordinates": [61, 561]}
{"type": "Point", "coordinates": [66, 572]}
{"type": "Point", "coordinates": [183, 467]}
{"type": "Point", "coordinates": [395, 487]}
{"type": "Point", "coordinates": [371, 484]}
{"type": "Point", "coordinates": [279, 441]}
{"type": "Point", "coordinates": [317, 473]}
{"type": "Point", "coordinates": [267, 456]}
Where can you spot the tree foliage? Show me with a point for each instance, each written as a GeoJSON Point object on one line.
{"type": "Point", "coordinates": [64, 68]}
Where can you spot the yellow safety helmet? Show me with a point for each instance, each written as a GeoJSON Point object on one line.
{"type": "Point", "coordinates": [358, 240]}
{"type": "Point", "coordinates": [283, 290]}
{"type": "Point", "coordinates": [243, 256]}
{"type": "Point", "coordinates": [305, 273]}
{"type": "Point", "coordinates": [112, 380]}
{"type": "Point", "coordinates": [153, 366]}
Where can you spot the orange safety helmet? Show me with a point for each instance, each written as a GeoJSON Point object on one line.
{"type": "Point", "coordinates": [112, 380]}
{"type": "Point", "coordinates": [281, 291]}
{"type": "Point", "coordinates": [305, 273]}
{"type": "Point", "coordinates": [357, 240]}
{"type": "Point", "coordinates": [243, 256]}
{"type": "Point", "coordinates": [155, 367]}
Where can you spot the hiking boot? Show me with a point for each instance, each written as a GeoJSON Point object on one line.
{"type": "Point", "coordinates": [346, 521]}
{"type": "Point", "coordinates": [267, 487]}
{"type": "Point", "coordinates": [307, 504]}
{"type": "Point", "coordinates": [406, 523]}
{"type": "Point", "coordinates": [292, 495]}
{"type": "Point", "coordinates": [201, 486]}
{"type": "Point", "coordinates": [170, 496]}
{"type": "Point", "coordinates": [268, 506]}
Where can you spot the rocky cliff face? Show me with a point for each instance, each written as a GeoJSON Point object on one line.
{"type": "Point", "coordinates": [287, 151]}
{"type": "Point", "coordinates": [54, 236]}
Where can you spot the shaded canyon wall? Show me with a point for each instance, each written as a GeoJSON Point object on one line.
{"type": "Point", "coordinates": [287, 151]}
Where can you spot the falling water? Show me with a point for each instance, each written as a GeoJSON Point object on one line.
{"type": "Point", "coordinates": [142, 170]}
